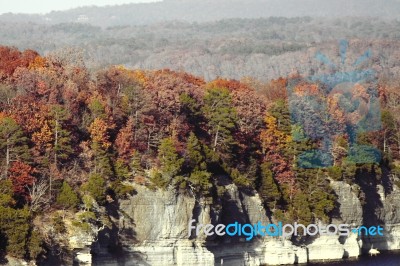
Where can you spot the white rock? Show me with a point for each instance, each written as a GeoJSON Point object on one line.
{"type": "Point", "coordinates": [325, 247]}
{"type": "Point", "coordinates": [83, 258]}
{"type": "Point", "coordinates": [352, 246]}
{"type": "Point", "coordinates": [189, 255]}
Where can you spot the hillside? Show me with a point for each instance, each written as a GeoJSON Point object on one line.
{"type": "Point", "coordinates": [75, 142]}
{"type": "Point", "coordinates": [261, 48]}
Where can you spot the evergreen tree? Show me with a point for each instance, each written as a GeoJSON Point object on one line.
{"type": "Point", "coordinates": [269, 190]}
{"type": "Point", "coordinates": [171, 163]}
{"type": "Point", "coordinates": [199, 177]}
{"type": "Point", "coordinates": [35, 245]}
{"type": "Point", "coordinates": [96, 186]}
{"type": "Point", "coordinates": [201, 181]}
{"type": "Point", "coordinates": [221, 118]}
{"type": "Point", "coordinates": [136, 167]}
{"type": "Point", "coordinates": [6, 192]}
{"type": "Point", "coordinates": [102, 160]}
{"type": "Point", "coordinates": [62, 138]}
{"type": "Point", "coordinates": [14, 225]}
{"type": "Point", "coordinates": [13, 143]}
{"type": "Point", "coordinates": [67, 197]}
{"type": "Point", "coordinates": [195, 154]}
{"type": "Point", "coordinates": [300, 210]}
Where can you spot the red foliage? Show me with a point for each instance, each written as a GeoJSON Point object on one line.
{"type": "Point", "coordinates": [11, 59]}
{"type": "Point", "coordinates": [21, 177]}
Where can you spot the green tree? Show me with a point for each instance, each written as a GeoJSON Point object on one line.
{"type": "Point", "coordinates": [300, 211]}
{"type": "Point", "coordinates": [269, 190]}
{"type": "Point", "coordinates": [195, 153]}
{"type": "Point", "coordinates": [221, 118]}
{"type": "Point", "coordinates": [102, 159]}
{"type": "Point", "coordinates": [122, 173]}
{"type": "Point", "coordinates": [14, 225]}
{"type": "Point", "coordinates": [62, 138]}
{"type": "Point", "coordinates": [171, 163]}
{"type": "Point", "coordinates": [13, 143]}
{"type": "Point", "coordinates": [96, 186]}
{"type": "Point", "coordinates": [67, 197]}
{"type": "Point", "coordinates": [6, 192]}
{"type": "Point", "coordinates": [135, 165]}
{"type": "Point", "coordinates": [35, 245]}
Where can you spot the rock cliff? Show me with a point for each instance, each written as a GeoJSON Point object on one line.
{"type": "Point", "coordinates": [151, 228]}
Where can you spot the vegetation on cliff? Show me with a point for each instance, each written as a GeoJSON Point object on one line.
{"type": "Point", "coordinates": [72, 140]}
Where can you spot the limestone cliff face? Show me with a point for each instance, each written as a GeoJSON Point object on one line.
{"type": "Point", "coordinates": [152, 229]}
{"type": "Point", "coordinates": [388, 213]}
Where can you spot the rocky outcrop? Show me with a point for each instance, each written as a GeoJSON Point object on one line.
{"type": "Point", "coordinates": [350, 208]}
{"type": "Point", "coordinates": [325, 248]}
{"type": "Point", "coordinates": [389, 214]}
{"type": "Point", "coordinates": [158, 221]}
{"type": "Point", "coordinates": [153, 229]}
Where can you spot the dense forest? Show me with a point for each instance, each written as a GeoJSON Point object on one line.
{"type": "Point", "coordinates": [74, 140]}
{"type": "Point", "coordinates": [264, 48]}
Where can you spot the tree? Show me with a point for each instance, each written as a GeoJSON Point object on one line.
{"type": "Point", "coordinates": [35, 245]}
{"type": "Point", "coordinates": [67, 198]}
{"type": "Point", "coordinates": [100, 145]}
{"type": "Point", "coordinates": [6, 193]}
{"type": "Point", "coordinates": [269, 190]}
{"type": "Point", "coordinates": [170, 162]}
{"type": "Point", "coordinates": [195, 154]}
{"type": "Point", "coordinates": [22, 177]}
{"type": "Point", "coordinates": [13, 143]}
{"type": "Point", "coordinates": [96, 186]}
{"type": "Point", "coordinates": [14, 224]}
{"type": "Point", "coordinates": [125, 141]}
{"type": "Point", "coordinates": [62, 147]}
{"type": "Point", "coordinates": [199, 177]}
{"type": "Point", "coordinates": [221, 118]}
{"type": "Point", "coordinates": [37, 195]}
{"type": "Point", "coordinates": [275, 144]}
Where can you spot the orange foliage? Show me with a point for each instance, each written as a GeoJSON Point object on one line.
{"type": "Point", "coordinates": [11, 59]}
{"type": "Point", "coordinates": [99, 132]}
{"type": "Point", "coordinates": [304, 89]}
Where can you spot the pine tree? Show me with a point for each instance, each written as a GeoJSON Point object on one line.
{"type": "Point", "coordinates": [67, 198]}
{"type": "Point", "coordinates": [100, 146]}
{"type": "Point", "coordinates": [14, 224]}
{"type": "Point", "coordinates": [35, 245]}
{"type": "Point", "coordinates": [13, 143]}
{"type": "Point", "coordinates": [6, 193]}
{"type": "Point", "coordinates": [221, 118]}
{"type": "Point", "coordinates": [62, 138]}
{"type": "Point", "coordinates": [269, 190]}
{"type": "Point", "coordinates": [135, 166]}
{"type": "Point", "coordinates": [171, 163]}
{"type": "Point", "coordinates": [96, 186]}
{"type": "Point", "coordinates": [201, 181]}
{"type": "Point", "coordinates": [195, 154]}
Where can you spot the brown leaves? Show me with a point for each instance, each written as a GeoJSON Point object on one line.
{"type": "Point", "coordinates": [125, 141]}
{"type": "Point", "coordinates": [11, 59]}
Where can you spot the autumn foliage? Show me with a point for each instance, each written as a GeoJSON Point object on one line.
{"type": "Point", "coordinates": [96, 136]}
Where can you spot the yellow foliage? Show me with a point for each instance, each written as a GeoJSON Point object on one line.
{"type": "Point", "coordinates": [39, 62]}
{"type": "Point", "coordinates": [44, 136]}
{"type": "Point", "coordinates": [98, 132]}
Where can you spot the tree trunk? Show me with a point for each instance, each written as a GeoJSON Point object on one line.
{"type": "Point", "coordinates": [55, 144]}
{"type": "Point", "coordinates": [7, 158]}
{"type": "Point", "coordinates": [216, 138]}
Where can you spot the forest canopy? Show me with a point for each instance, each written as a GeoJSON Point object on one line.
{"type": "Point", "coordinates": [74, 139]}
